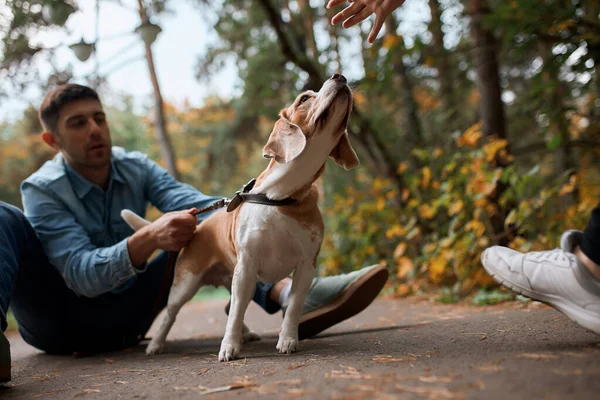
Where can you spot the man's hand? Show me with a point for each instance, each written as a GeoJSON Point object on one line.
{"type": "Point", "coordinates": [172, 231]}
{"type": "Point", "coordinates": [359, 10]}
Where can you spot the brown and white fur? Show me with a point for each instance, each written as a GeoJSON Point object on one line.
{"type": "Point", "coordinates": [263, 242]}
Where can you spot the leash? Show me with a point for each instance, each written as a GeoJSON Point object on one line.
{"type": "Point", "coordinates": [241, 196]}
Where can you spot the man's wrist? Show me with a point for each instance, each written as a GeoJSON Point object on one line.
{"type": "Point", "coordinates": [141, 245]}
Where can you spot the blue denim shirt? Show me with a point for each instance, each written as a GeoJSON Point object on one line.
{"type": "Point", "coordinates": [79, 223]}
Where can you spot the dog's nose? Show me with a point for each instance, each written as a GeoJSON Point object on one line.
{"type": "Point", "coordinates": [338, 77]}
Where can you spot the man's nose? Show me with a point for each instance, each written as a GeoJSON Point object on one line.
{"type": "Point", "coordinates": [338, 77]}
{"type": "Point", "coordinates": [94, 127]}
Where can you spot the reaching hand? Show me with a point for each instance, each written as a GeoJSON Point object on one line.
{"type": "Point", "coordinates": [360, 10]}
{"type": "Point", "coordinates": [173, 230]}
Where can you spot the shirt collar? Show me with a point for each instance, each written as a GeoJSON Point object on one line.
{"type": "Point", "coordinates": [82, 186]}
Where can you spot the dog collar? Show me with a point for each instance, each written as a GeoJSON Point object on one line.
{"type": "Point", "coordinates": [257, 198]}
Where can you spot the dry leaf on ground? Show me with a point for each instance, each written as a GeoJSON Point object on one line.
{"type": "Point", "coordinates": [390, 359]}
{"type": "Point", "coordinates": [537, 356]}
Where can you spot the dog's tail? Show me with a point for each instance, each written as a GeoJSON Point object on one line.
{"type": "Point", "coordinates": [133, 220]}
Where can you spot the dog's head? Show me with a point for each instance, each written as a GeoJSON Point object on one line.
{"type": "Point", "coordinates": [316, 120]}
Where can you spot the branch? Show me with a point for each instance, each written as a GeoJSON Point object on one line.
{"type": "Point", "coordinates": [543, 146]}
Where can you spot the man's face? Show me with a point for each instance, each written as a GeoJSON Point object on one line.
{"type": "Point", "coordinates": [83, 134]}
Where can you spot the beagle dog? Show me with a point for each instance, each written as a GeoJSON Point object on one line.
{"type": "Point", "coordinates": [268, 242]}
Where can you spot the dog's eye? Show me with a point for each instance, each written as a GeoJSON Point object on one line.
{"type": "Point", "coordinates": [304, 98]}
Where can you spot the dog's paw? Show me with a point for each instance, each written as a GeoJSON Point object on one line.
{"type": "Point", "coordinates": [229, 351]}
{"type": "Point", "coordinates": [154, 349]}
{"type": "Point", "coordinates": [250, 337]}
{"type": "Point", "coordinates": [288, 345]}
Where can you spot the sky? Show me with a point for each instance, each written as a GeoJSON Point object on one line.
{"type": "Point", "coordinates": [186, 33]}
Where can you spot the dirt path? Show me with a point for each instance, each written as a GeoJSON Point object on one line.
{"type": "Point", "coordinates": [395, 349]}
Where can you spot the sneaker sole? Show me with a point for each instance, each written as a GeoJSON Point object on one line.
{"type": "Point", "coordinates": [353, 300]}
{"type": "Point", "coordinates": [571, 310]}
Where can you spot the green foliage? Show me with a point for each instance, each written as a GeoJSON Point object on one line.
{"type": "Point", "coordinates": [490, 297]}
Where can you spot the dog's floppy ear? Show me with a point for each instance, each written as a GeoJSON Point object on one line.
{"type": "Point", "coordinates": [286, 142]}
{"type": "Point", "coordinates": [343, 154]}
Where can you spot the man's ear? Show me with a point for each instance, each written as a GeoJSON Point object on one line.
{"type": "Point", "coordinates": [50, 139]}
{"type": "Point", "coordinates": [343, 154]}
{"type": "Point", "coordinates": [287, 141]}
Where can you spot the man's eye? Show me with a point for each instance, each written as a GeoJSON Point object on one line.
{"type": "Point", "coordinates": [304, 98]}
{"type": "Point", "coordinates": [100, 120]}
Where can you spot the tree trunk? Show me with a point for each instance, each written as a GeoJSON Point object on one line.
{"type": "Point", "coordinates": [160, 123]}
{"type": "Point", "coordinates": [488, 78]}
{"type": "Point", "coordinates": [442, 64]}
{"type": "Point", "coordinates": [307, 15]}
{"type": "Point", "coordinates": [409, 105]}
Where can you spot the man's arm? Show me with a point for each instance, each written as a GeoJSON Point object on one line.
{"type": "Point", "coordinates": [91, 271]}
{"type": "Point", "coordinates": [167, 194]}
{"type": "Point", "coordinates": [87, 270]}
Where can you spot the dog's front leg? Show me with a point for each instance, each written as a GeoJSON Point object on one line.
{"type": "Point", "coordinates": [288, 338]}
{"type": "Point", "coordinates": [242, 290]}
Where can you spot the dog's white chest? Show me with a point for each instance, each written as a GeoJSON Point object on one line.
{"type": "Point", "coordinates": [273, 244]}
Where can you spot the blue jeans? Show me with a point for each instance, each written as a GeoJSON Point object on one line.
{"type": "Point", "coordinates": [53, 319]}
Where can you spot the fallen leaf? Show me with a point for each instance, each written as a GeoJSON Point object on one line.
{"type": "Point", "coordinates": [203, 371]}
{"type": "Point", "coordinates": [537, 356]}
{"type": "Point", "coordinates": [45, 377]}
{"type": "Point", "coordinates": [390, 359]}
{"type": "Point", "coordinates": [108, 360]}
{"type": "Point", "coordinates": [490, 368]}
{"type": "Point", "coordinates": [202, 390]}
{"type": "Point", "coordinates": [302, 364]}
{"type": "Point", "coordinates": [297, 392]}
{"type": "Point", "coordinates": [122, 382]}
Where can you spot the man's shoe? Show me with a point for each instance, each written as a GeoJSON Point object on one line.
{"type": "Point", "coordinates": [4, 358]}
{"type": "Point", "coordinates": [554, 277]}
{"type": "Point", "coordinates": [333, 299]}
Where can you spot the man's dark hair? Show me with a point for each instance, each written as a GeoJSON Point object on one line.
{"type": "Point", "coordinates": [60, 97]}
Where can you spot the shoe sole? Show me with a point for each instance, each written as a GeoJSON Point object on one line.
{"type": "Point", "coordinates": [350, 302]}
{"type": "Point", "coordinates": [571, 310]}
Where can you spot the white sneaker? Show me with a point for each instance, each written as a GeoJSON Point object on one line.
{"type": "Point", "coordinates": [553, 277]}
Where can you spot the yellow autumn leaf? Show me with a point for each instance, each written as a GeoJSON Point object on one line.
{"type": "Point", "coordinates": [437, 266]}
{"type": "Point", "coordinates": [446, 242]}
{"type": "Point", "coordinates": [405, 265]}
{"type": "Point", "coordinates": [403, 290]}
{"type": "Point", "coordinates": [569, 186]}
{"type": "Point", "coordinates": [401, 167]}
{"type": "Point", "coordinates": [426, 211]}
{"type": "Point", "coordinates": [517, 243]}
{"type": "Point", "coordinates": [380, 203]}
{"type": "Point", "coordinates": [426, 177]}
{"type": "Point", "coordinates": [493, 147]}
{"type": "Point", "coordinates": [394, 231]}
{"type": "Point", "coordinates": [400, 249]}
{"type": "Point", "coordinates": [390, 41]}
{"type": "Point", "coordinates": [471, 136]}
{"type": "Point", "coordinates": [455, 207]}
{"type": "Point", "coordinates": [475, 226]}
